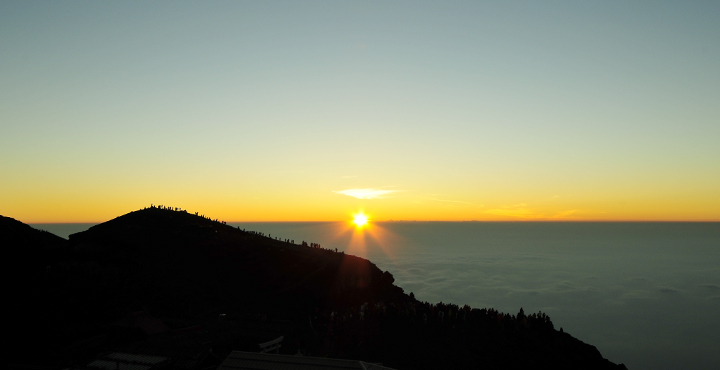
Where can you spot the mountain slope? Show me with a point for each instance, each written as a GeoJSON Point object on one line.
{"type": "Point", "coordinates": [186, 269]}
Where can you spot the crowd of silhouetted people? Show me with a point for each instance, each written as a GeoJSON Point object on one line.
{"type": "Point", "coordinates": [178, 209]}
{"type": "Point", "coordinates": [291, 241]}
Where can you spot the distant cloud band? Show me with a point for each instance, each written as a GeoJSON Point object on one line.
{"type": "Point", "coordinates": [365, 193]}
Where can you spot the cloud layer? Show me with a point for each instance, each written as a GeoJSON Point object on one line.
{"type": "Point", "coordinates": [646, 294]}
{"type": "Point", "coordinates": [368, 193]}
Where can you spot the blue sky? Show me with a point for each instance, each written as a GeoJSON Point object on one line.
{"type": "Point", "coordinates": [610, 107]}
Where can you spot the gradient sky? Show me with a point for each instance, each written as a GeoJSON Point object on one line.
{"type": "Point", "coordinates": [294, 111]}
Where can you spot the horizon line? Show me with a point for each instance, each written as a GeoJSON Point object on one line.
{"type": "Point", "coordinates": [388, 221]}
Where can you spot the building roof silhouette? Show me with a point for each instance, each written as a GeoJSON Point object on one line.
{"type": "Point", "coordinates": [238, 360]}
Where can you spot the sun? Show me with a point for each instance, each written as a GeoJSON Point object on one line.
{"type": "Point", "coordinates": [360, 220]}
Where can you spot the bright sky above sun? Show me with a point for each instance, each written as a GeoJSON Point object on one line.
{"type": "Point", "coordinates": [309, 111]}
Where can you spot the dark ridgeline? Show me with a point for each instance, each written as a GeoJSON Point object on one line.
{"type": "Point", "coordinates": [162, 281]}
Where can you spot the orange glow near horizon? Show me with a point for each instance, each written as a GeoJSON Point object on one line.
{"type": "Point", "coordinates": [98, 213]}
{"type": "Point", "coordinates": [330, 207]}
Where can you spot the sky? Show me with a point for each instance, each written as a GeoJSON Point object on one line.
{"type": "Point", "coordinates": [312, 111]}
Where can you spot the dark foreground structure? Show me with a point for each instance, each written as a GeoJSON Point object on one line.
{"type": "Point", "coordinates": [239, 360]}
{"type": "Point", "coordinates": [162, 288]}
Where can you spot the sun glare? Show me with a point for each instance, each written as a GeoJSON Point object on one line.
{"type": "Point", "coordinates": [360, 220]}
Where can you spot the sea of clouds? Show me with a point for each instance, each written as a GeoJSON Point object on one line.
{"type": "Point", "coordinates": [645, 294]}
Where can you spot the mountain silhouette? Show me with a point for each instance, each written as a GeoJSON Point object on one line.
{"type": "Point", "coordinates": [159, 274]}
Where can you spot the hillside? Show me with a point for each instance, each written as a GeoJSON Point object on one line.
{"type": "Point", "coordinates": [237, 288]}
